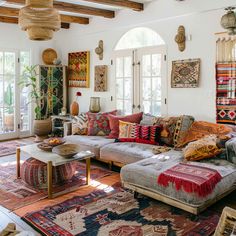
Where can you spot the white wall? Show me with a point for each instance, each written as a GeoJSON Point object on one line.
{"type": "Point", "coordinates": [201, 19]}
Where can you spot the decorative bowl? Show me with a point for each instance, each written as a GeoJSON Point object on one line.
{"type": "Point", "coordinates": [45, 147]}
{"type": "Point", "coordinates": [54, 141]}
{"type": "Point", "coordinates": [66, 150]}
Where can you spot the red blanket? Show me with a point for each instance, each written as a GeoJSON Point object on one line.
{"type": "Point", "coordinates": [190, 178]}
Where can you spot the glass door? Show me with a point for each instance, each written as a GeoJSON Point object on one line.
{"type": "Point", "coordinates": [11, 117]}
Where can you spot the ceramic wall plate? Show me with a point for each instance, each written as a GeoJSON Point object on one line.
{"type": "Point", "coordinates": [66, 150]}
{"type": "Point", "coordinates": [49, 55]}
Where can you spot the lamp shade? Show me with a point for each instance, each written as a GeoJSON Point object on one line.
{"type": "Point", "coordinates": [39, 19]}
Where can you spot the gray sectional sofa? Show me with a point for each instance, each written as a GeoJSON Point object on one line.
{"type": "Point", "coordinates": [141, 168]}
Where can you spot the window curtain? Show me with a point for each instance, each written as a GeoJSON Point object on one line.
{"type": "Point", "coordinates": [226, 80]}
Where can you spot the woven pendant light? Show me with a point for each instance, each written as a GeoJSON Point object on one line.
{"type": "Point", "coordinates": [39, 19]}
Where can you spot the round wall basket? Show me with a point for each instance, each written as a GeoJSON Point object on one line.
{"type": "Point", "coordinates": [49, 55]}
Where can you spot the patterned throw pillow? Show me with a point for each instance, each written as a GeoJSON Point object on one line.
{"type": "Point", "coordinates": [98, 123]}
{"type": "Point", "coordinates": [203, 148]}
{"type": "Point", "coordinates": [80, 124]}
{"type": "Point", "coordinates": [167, 133]}
{"type": "Point", "coordinates": [114, 122]}
{"type": "Point", "coordinates": [182, 126]}
{"type": "Point", "coordinates": [132, 132]}
{"type": "Point", "coordinates": [199, 129]}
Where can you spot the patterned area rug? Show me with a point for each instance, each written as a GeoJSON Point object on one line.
{"type": "Point", "coordinates": [15, 193]}
{"type": "Point", "coordinates": [9, 148]}
{"type": "Point", "coordinates": [114, 211]}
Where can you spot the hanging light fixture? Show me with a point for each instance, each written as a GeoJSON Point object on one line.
{"type": "Point", "coordinates": [39, 19]}
{"type": "Point", "coordinates": [228, 21]}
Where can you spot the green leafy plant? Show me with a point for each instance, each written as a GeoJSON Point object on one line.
{"type": "Point", "coordinates": [8, 99]}
{"type": "Point", "coordinates": [29, 80]}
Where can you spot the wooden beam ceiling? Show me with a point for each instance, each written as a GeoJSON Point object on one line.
{"type": "Point", "coordinates": [14, 12]}
{"type": "Point", "coordinates": [14, 20]}
{"type": "Point", "coordinates": [75, 8]}
{"type": "Point", "coordinates": [136, 6]}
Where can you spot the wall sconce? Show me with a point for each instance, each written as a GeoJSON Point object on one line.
{"type": "Point", "coordinates": [180, 38]}
{"type": "Point", "coordinates": [99, 50]}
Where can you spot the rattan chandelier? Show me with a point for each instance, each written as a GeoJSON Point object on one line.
{"type": "Point", "coordinates": [39, 19]}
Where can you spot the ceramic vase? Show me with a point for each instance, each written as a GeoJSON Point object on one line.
{"type": "Point", "coordinates": [74, 108]}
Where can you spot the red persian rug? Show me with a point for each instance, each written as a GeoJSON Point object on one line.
{"type": "Point", "coordinates": [15, 193]}
{"type": "Point", "coordinates": [191, 178]}
{"type": "Point", "coordinates": [9, 148]}
{"type": "Point", "coordinates": [114, 211]}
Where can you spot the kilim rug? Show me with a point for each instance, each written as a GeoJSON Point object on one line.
{"type": "Point", "coordinates": [226, 93]}
{"type": "Point", "coordinates": [15, 193]}
{"type": "Point", "coordinates": [115, 212]}
{"type": "Point", "coordinates": [9, 148]}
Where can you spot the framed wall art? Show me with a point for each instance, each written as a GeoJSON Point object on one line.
{"type": "Point", "coordinates": [79, 69]}
{"type": "Point", "coordinates": [185, 73]}
{"type": "Point", "coordinates": [100, 80]}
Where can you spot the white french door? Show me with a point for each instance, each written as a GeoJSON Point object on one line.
{"type": "Point", "coordinates": [15, 112]}
{"type": "Point", "coordinates": [141, 81]}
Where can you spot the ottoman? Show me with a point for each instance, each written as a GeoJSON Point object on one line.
{"type": "Point", "coordinates": [34, 173]}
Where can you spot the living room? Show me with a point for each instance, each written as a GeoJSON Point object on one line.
{"type": "Point", "coordinates": [117, 117]}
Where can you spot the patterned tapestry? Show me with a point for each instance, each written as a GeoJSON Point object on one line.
{"type": "Point", "coordinates": [78, 69]}
{"type": "Point", "coordinates": [100, 83]}
{"type": "Point", "coordinates": [185, 73]}
{"type": "Point", "coordinates": [225, 93]}
{"type": "Point", "coordinates": [51, 87]}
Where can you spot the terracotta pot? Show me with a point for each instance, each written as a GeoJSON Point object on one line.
{"type": "Point", "coordinates": [74, 108]}
{"type": "Point", "coordinates": [42, 127]}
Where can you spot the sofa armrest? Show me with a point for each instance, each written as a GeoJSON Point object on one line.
{"type": "Point", "coordinates": [67, 128]}
{"type": "Point", "coordinates": [231, 150]}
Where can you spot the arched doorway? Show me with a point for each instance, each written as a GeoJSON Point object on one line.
{"type": "Point", "coordinates": [140, 72]}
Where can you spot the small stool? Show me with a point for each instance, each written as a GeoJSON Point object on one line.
{"type": "Point", "coordinates": [34, 173]}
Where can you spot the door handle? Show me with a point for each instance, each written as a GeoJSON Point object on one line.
{"type": "Point", "coordinates": [139, 107]}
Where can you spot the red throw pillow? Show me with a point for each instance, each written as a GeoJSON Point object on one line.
{"type": "Point", "coordinates": [98, 123]}
{"type": "Point", "coordinates": [114, 122]}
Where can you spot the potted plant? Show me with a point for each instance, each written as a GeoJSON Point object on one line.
{"type": "Point", "coordinates": [42, 125]}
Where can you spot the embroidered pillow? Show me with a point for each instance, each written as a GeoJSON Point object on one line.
{"type": "Point", "coordinates": [183, 125]}
{"type": "Point", "coordinates": [114, 122]}
{"type": "Point", "coordinates": [203, 148]}
{"type": "Point", "coordinates": [199, 129]}
{"type": "Point", "coordinates": [80, 124]}
{"type": "Point", "coordinates": [131, 132]}
{"type": "Point", "coordinates": [167, 133]}
{"type": "Point", "coordinates": [98, 123]}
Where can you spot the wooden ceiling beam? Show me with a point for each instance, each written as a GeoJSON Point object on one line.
{"type": "Point", "coordinates": [14, 12]}
{"type": "Point", "coordinates": [14, 20]}
{"type": "Point", "coordinates": [75, 8]}
{"type": "Point", "coordinates": [136, 6]}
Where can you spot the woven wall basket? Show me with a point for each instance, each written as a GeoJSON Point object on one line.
{"type": "Point", "coordinates": [49, 55]}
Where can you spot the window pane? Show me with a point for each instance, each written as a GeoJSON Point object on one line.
{"type": "Point", "coordinates": [147, 106]}
{"type": "Point", "coordinates": [156, 88]}
{"type": "Point", "coordinates": [1, 120]}
{"type": "Point", "coordinates": [156, 108]}
{"type": "Point", "coordinates": [146, 64]}
{"type": "Point", "coordinates": [9, 63]}
{"type": "Point", "coordinates": [119, 67]}
{"type": "Point", "coordinates": [24, 60]}
{"type": "Point", "coordinates": [1, 63]}
{"type": "Point", "coordinates": [156, 64]}
{"type": "Point", "coordinates": [146, 88]}
{"type": "Point", "coordinates": [9, 93]}
{"type": "Point", "coordinates": [1, 91]}
{"type": "Point", "coordinates": [128, 88]}
{"type": "Point", "coordinates": [119, 88]}
{"type": "Point", "coordinates": [119, 105]}
{"type": "Point", "coordinates": [128, 67]}
{"type": "Point", "coordinates": [127, 107]}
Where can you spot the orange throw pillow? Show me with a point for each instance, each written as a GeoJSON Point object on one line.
{"type": "Point", "coordinates": [201, 149]}
{"type": "Point", "coordinates": [199, 129]}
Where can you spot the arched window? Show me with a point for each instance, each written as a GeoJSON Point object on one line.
{"type": "Point", "coordinates": [140, 72]}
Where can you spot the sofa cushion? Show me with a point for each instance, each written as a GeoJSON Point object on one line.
{"type": "Point", "coordinates": [80, 124]}
{"type": "Point", "coordinates": [126, 152]}
{"type": "Point", "coordinates": [90, 143]}
{"type": "Point", "coordinates": [114, 122]}
{"type": "Point", "coordinates": [98, 123]}
{"type": "Point", "coordinates": [199, 129]}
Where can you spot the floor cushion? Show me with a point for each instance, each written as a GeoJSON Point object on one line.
{"type": "Point", "coordinates": [89, 143]}
{"type": "Point", "coordinates": [34, 173]}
